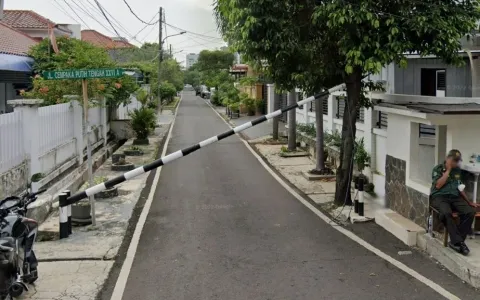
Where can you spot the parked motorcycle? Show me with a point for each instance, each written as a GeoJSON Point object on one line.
{"type": "Point", "coordinates": [18, 264]}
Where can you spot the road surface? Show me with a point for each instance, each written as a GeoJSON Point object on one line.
{"type": "Point", "coordinates": [221, 227]}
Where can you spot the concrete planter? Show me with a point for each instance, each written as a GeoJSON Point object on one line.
{"type": "Point", "coordinates": [133, 152]}
{"type": "Point", "coordinates": [141, 142]}
{"type": "Point", "coordinates": [116, 158]}
{"type": "Point", "coordinates": [125, 167]}
{"type": "Point", "coordinates": [81, 212]}
{"type": "Point", "coordinates": [110, 193]}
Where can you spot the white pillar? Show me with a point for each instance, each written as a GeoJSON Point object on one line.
{"type": "Point", "coordinates": [331, 113]}
{"type": "Point", "coordinates": [305, 113]}
{"type": "Point", "coordinates": [31, 139]}
{"type": "Point", "coordinates": [78, 126]}
{"type": "Point", "coordinates": [440, 143]}
{"type": "Point", "coordinates": [270, 98]}
{"type": "Point", "coordinates": [369, 139]}
{"type": "Point", "coordinates": [103, 120]}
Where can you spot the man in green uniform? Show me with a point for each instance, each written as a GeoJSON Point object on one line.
{"type": "Point", "coordinates": [447, 197]}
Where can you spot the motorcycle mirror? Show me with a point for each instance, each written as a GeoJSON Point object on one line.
{"type": "Point", "coordinates": [19, 229]}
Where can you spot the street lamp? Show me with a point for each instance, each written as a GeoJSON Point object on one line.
{"type": "Point", "coordinates": [160, 59]}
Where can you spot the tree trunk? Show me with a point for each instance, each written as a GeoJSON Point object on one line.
{"type": "Point", "coordinates": [344, 171]}
{"type": "Point", "coordinates": [292, 134]}
{"type": "Point", "coordinates": [276, 106]}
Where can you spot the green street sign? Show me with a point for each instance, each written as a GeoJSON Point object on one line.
{"type": "Point", "coordinates": [82, 74]}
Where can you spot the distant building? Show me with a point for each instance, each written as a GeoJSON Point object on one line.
{"type": "Point", "coordinates": [238, 58]}
{"type": "Point", "coordinates": [113, 45]}
{"type": "Point", "coordinates": [192, 59]}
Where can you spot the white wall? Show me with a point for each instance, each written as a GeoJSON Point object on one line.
{"type": "Point", "coordinates": [464, 136]}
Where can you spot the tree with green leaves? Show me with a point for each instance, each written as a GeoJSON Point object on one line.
{"type": "Point", "coordinates": [76, 54]}
{"type": "Point", "coordinates": [313, 43]}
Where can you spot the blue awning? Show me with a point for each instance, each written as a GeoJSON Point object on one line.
{"type": "Point", "coordinates": [17, 63]}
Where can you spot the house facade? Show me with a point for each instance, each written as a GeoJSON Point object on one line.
{"type": "Point", "coordinates": [35, 25]}
{"type": "Point", "coordinates": [427, 108]}
{"type": "Point", "coordinates": [15, 65]}
{"type": "Point", "coordinates": [112, 44]}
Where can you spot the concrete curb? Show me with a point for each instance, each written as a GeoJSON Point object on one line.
{"type": "Point", "coordinates": [454, 262]}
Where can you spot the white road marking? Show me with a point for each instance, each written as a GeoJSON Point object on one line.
{"type": "Point", "coordinates": [437, 288]}
{"type": "Point", "coordinates": [132, 249]}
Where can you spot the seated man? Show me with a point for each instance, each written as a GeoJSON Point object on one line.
{"type": "Point", "coordinates": [448, 197]}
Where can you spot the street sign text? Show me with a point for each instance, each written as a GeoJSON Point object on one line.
{"type": "Point", "coordinates": [83, 74]}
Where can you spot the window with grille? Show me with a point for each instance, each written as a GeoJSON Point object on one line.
{"type": "Point", "coordinates": [361, 115]}
{"type": "Point", "coordinates": [340, 107]}
{"type": "Point", "coordinates": [382, 120]}
{"type": "Point", "coordinates": [426, 131]}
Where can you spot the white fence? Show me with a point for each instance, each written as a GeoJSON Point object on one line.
{"type": "Point", "coordinates": [371, 126]}
{"type": "Point", "coordinates": [55, 126]}
{"type": "Point", "coordinates": [12, 151]}
{"type": "Point", "coordinates": [54, 138]}
{"type": "Point", "coordinates": [123, 111]}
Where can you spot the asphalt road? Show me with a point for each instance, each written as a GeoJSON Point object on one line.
{"type": "Point", "coordinates": [221, 227]}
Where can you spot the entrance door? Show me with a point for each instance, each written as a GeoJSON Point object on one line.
{"type": "Point", "coordinates": [433, 82]}
{"type": "Point", "coordinates": [441, 85]}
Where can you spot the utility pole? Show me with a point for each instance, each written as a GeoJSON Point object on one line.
{"type": "Point", "coordinates": [160, 43]}
{"type": "Point", "coordinates": [170, 50]}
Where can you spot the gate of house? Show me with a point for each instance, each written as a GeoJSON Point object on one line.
{"type": "Point", "coordinates": [265, 98]}
{"type": "Point", "coordinates": [283, 103]}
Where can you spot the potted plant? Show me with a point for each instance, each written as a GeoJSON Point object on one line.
{"type": "Point", "coordinates": [259, 107]}
{"type": "Point", "coordinates": [35, 181]}
{"type": "Point", "coordinates": [362, 158]}
{"type": "Point", "coordinates": [133, 151]}
{"type": "Point", "coordinates": [143, 121]}
{"type": "Point", "coordinates": [120, 164]}
{"type": "Point", "coordinates": [234, 108]}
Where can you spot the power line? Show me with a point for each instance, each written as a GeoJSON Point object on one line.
{"type": "Point", "coordinates": [92, 17]}
{"type": "Point", "coordinates": [82, 21]}
{"type": "Point", "coordinates": [131, 10]}
{"type": "Point", "coordinates": [158, 20]}
{"type": "Point", "coordinates": [194, 33]}
{"type": "Point", "coordinates": [108, 20]}
{"type": "Point", "coordinates": [114, 21]}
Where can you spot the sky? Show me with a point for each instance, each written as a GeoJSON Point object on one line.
{"type": "Point", "coordinates": [194, 16]}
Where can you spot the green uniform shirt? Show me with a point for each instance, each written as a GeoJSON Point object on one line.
{"type": "Point", "coordinates": [450, 188]}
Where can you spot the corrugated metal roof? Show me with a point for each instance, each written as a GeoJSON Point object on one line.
{"type": "Point", "coordinates": [447, 109]}
{"type": "Point", "coordinates": [442, 109]}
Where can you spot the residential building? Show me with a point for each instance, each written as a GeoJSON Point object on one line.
{"type": "Point", "coordinates": [192, 59]}
{"type": "Point", "coordinates": [112, 44]}
{"type": "Point", "coordinates": [15, 65]}
{"type": "Point", "coordinates": [238, 58]}
{"type": "Point", "coordinates": [34, 25]}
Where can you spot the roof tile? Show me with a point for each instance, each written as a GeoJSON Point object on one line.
{"type": "Point", "coordinates": [13, 41]}
{"type": "Point", "coordinates": [26, 19]}
{"type": "Point", "coordinates": [98, 39]}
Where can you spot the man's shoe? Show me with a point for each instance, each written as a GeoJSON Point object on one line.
{"type": "Point", "coordinates": [455, 247]}
{"type": "Point", "coordinates": [464, 249]}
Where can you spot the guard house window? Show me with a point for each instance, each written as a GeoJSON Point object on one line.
{"type": "Point", "coordinates": [433, 82]}
{"type": "Point", "coordinates": [426, 131]}
{"type": "Point", "coordinates": [382, 120]}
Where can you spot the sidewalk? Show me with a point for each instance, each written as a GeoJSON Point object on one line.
{"type": "Point", "coordinates": [77, 267]}
{"type": "Point", "coordinates": [255, 132]}
{"type": "Point", "coordinates": [322, 195]}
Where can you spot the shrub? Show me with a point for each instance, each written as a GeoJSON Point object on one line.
{"type": "Point", "coordinates": [143, 122]}
{"type": "Point", "coordinates": [362, 158]}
